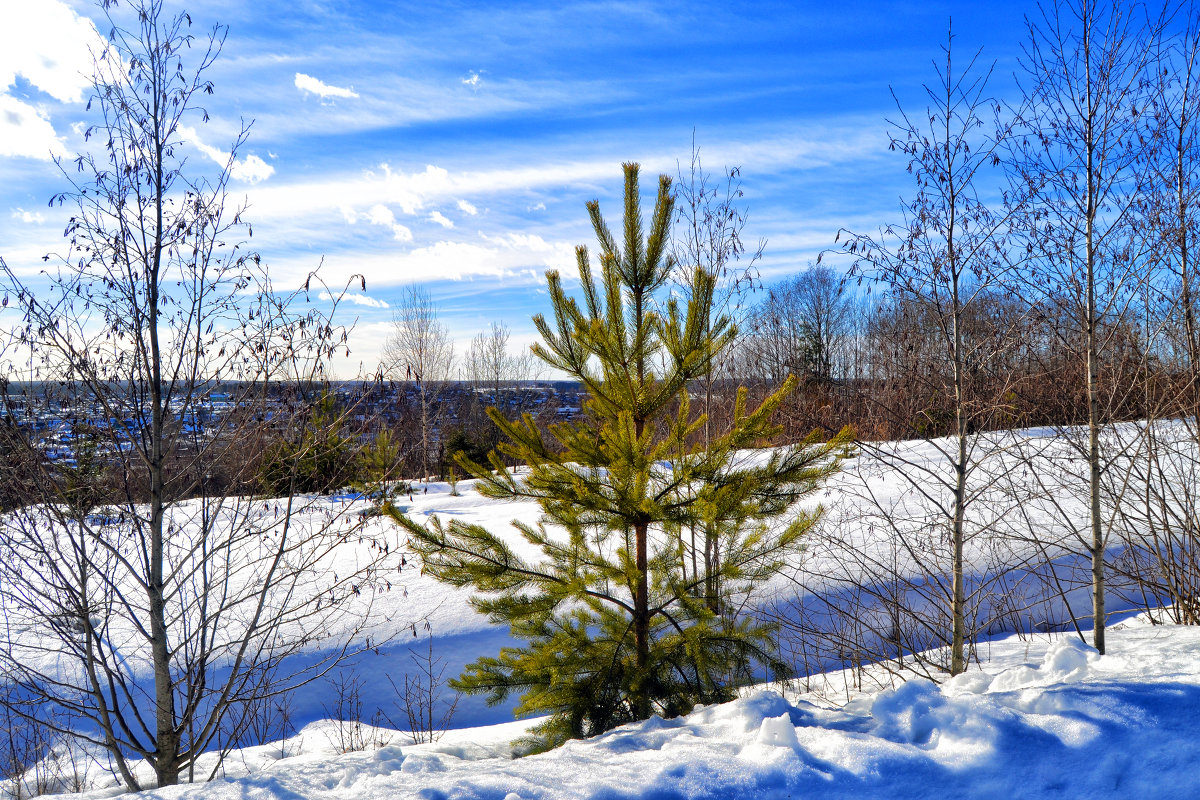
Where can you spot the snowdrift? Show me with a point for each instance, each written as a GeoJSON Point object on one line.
{"type": "Point", "coordinates": [1045, 717]}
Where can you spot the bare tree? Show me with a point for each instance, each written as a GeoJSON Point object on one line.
{"type": "Point", "coordinates": [135, 595]}
{"type": "Point", "coordinates": [1082, 162]}
{"type": "Point", "coordinates": [489, 364]}
{"type": "Point", "coordinates": [826, 309]}
{"type": "Point", "coordinates": [805, 327]}
{"type": "Point", "coordinates": [706, 235]}
{"type": "Point", "coordinates": [420, 350]}
{"type": "Point", "coordinates": [1162, 530]}
{"type": "Point", "coordinates": [424, 697]}
{"type": "Point", "coordinates": [940, 267]}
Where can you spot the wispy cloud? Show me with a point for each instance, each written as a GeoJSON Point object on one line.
{"type": "Point", "coordinates": [250, 169]}
{"type": "Point", "coordinates": [402, 99]}
{"type": "Point", "coordinates": [379, 214]}
{"type": "Point", "coordinates": [307, 216]}
{"type": "Point", "coordinates": [354, 298]}
{"type": "Point", "coordinates": [514, 259]}
{"type": "Point", "coordinates": [524, 256]}
{"type": "Point", "coordinates": [411, 193]}
{"type": "Point", "coordinates": [547, 174]}
{"type": "Point", "coordinates": [471, 80]}
{"type": "Point", "coordinates": [28, 217]}
{"type": "Point", "coordinates": [307, 83]}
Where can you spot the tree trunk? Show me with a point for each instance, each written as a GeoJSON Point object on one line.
{"type": "Point", "coordinates": [958, 627]}
{"type": "Point", "coordinates": [1093, 401]}
{"type": "Point", "coordinates": [424, 433]}
{"type": "Point", "coordinates": [641, 598]}
{"type": "Point", "coordinates": [958, 662]}
{"type": "Point", "coordinates": [712, 567]}
{"type": "Point", "coordinates": [1185, 276]}
{"type": "Point", "coordinates": [641, 623]}
{"type": "Point", "coordinates": [166, 738]}
{"type": "Point", "coordinates": [1093, 352]}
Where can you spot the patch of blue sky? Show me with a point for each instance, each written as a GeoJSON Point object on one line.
{"type": "Point", "coordinates": [455, 144]}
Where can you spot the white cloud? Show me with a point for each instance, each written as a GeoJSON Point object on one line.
{"type": "Point", "coordinates": [412, 193]}
{"type": "Point", "coordinates": [379, 214]}
{"type": "Point", "coordinates": [320, 208]}
{"type": "Point", "coordinates": [529, 242]}
{"type": "Point", "coordinates": [512, 257]}
{"type": "Point", "coordinates": [28, 217]}
{"type": "Point", "coordinates": [26, 131]}
{"type": "Point", "coordinates": [250, 169]}
{"type": "Point", "coordinates": [525, 255]}
{"type": "Point", "coordinates": [472, 80]}
{"type": "Point", "coordinates": [355, 298]}
{"type": "Point", "coordinates": [307, 83]}
{"type": "Point", "coordinates": [49, 45]}
{"type": "Point", "coordinates": [467, 208]}
{"type": "Point", "coordinates": [441, 219]}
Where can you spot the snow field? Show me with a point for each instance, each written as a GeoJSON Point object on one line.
{"type": "Point", "coordinates": [1045, 717]}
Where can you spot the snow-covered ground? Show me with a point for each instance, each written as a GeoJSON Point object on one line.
{"type": "Point", "coordinates": [1038, 716]}
{"type": "Point", "coordinates": [1044, 716]}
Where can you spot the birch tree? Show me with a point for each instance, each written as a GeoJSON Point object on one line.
{"type": "Point", "coordinates": [1082, 162]}
{"type": "Point", "coordinates": [137, 597]}
{"type": "Point", "coordinates": [940, 269]}
{"type": "Point", "coordinates": [419, 350]}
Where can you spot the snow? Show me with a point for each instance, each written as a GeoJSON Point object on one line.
{"type": "Point", "coordinates": [1045, 717]}
{"type": "Point", "coordinates": [1040, 715]}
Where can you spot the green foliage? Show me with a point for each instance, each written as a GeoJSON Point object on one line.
{"type": "Point", "coordinates": [82, 483]}
{"type": "Point", "coordinates": [19, 466]}
{"type": "Point", "coordinates": [379, 459]}
{"type": "Point", "coordinates": [317, 460]}
{"type": "Point", "coordinates": [615, 624]}
{"type": "Point", "coordinates": [476, 448]}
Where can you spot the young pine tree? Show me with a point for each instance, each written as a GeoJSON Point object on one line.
{"type": "Point", "coordinates": [615, 628]}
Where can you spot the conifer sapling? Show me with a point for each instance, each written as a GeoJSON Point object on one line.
{"type": "Point", "coordinates": [614, 626]}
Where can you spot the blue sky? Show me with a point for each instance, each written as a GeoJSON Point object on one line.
{"type": "Point", "coordinates": [455, 144]}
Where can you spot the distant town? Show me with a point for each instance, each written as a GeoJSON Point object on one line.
{"type": "Point", "coordinates": [55, 417]}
